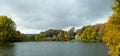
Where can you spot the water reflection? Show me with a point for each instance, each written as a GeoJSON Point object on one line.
{"type": "Point", "coordinates": [6, 49]}
{"type": "Point", "coordinates": [53, 49]}
{"type": "Point", "coordinates": [60, 49]}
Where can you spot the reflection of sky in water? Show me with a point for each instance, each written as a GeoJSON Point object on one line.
{"type": "Point", "coordinates": [54, 49]}
{"type": "Point", "coordinates": [60, 49]}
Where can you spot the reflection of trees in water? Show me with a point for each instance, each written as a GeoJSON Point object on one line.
{"type": "Point", "coordinates": [6, 49]}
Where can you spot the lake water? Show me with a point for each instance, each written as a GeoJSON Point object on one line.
{"type": "Point", "coordinates": [54, 49]}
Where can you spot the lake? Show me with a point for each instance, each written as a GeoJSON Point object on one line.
{"type": "Point", "coordinates": [54, 49]}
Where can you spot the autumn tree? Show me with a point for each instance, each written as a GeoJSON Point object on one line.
{"type": "Point", "coordinates": [79, 31]}
{"type": "Point", "coordinates": [7, 29]}
{"type": "Point", "coordinates": [112, 30]}
{"type": "Point", "coordinates": [89, 34]}
{"type": "Point", "coordinates": [17, 37]}
{"type": "Point", "coordinates": [65, 36]}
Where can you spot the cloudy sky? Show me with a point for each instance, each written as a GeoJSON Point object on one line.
{"type": "Point", "coordinates": [33, 16]}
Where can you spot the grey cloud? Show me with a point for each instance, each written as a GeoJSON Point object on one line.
{"type": "Point", "coordinates": [59, 14]}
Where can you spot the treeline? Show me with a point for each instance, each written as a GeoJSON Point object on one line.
{"type": "Point", "coordinates": [8, 33]}
{"type": "Point", "coordinates": [52, 35]}
{"type": "Point", "coordinates": [91, 32]}
{"type": "Point", "coordinates": [87, 33]}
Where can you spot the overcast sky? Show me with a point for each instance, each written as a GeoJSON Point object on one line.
{"type": "Point", "coordinates": [33, 16]}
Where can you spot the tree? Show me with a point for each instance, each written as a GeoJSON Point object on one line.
{"type": "Point", "coordinates": [112, 30]}
{"type": "Point", "coordinates": [36, 37]}
{"type": "Point", "coordinates": [7, 29]}
{"type": "Point", "coordinates": [92, 32]}
{"type": "Point", "coordinates": [65, 36]}
{"type": "Point", "coordinates": [17, 36]}
{"type": "Point", "coordinates": [60, 36]}
{"type": "Point", "coordinates": [79, 31]}
{"type": "Point", "coordinates": [71, 33]}
{"type": "Point", "coordinates": [54, 38]}
{"type": "Point", "coordinates": [87, 34]}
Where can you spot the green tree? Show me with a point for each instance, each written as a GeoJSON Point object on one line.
{"type": "Point", "coordinates": [60, 36]}
{"type": "Point", "coordinates": [7, 29]}
{"type": "Point", "coordinates": [36, 37]}
{"type": "Point", "coordinates": [71, 33]}
{"type": "Point", "coordinates": [54, 38]}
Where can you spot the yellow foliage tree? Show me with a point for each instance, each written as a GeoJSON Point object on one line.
{"type": "Point", "coordinates": [7, 29]}
{"type": "Point", "coordinates": [112, 30]}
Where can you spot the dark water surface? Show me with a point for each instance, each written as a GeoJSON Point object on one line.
{"type": "Point", "coordinates": [54, 49]}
